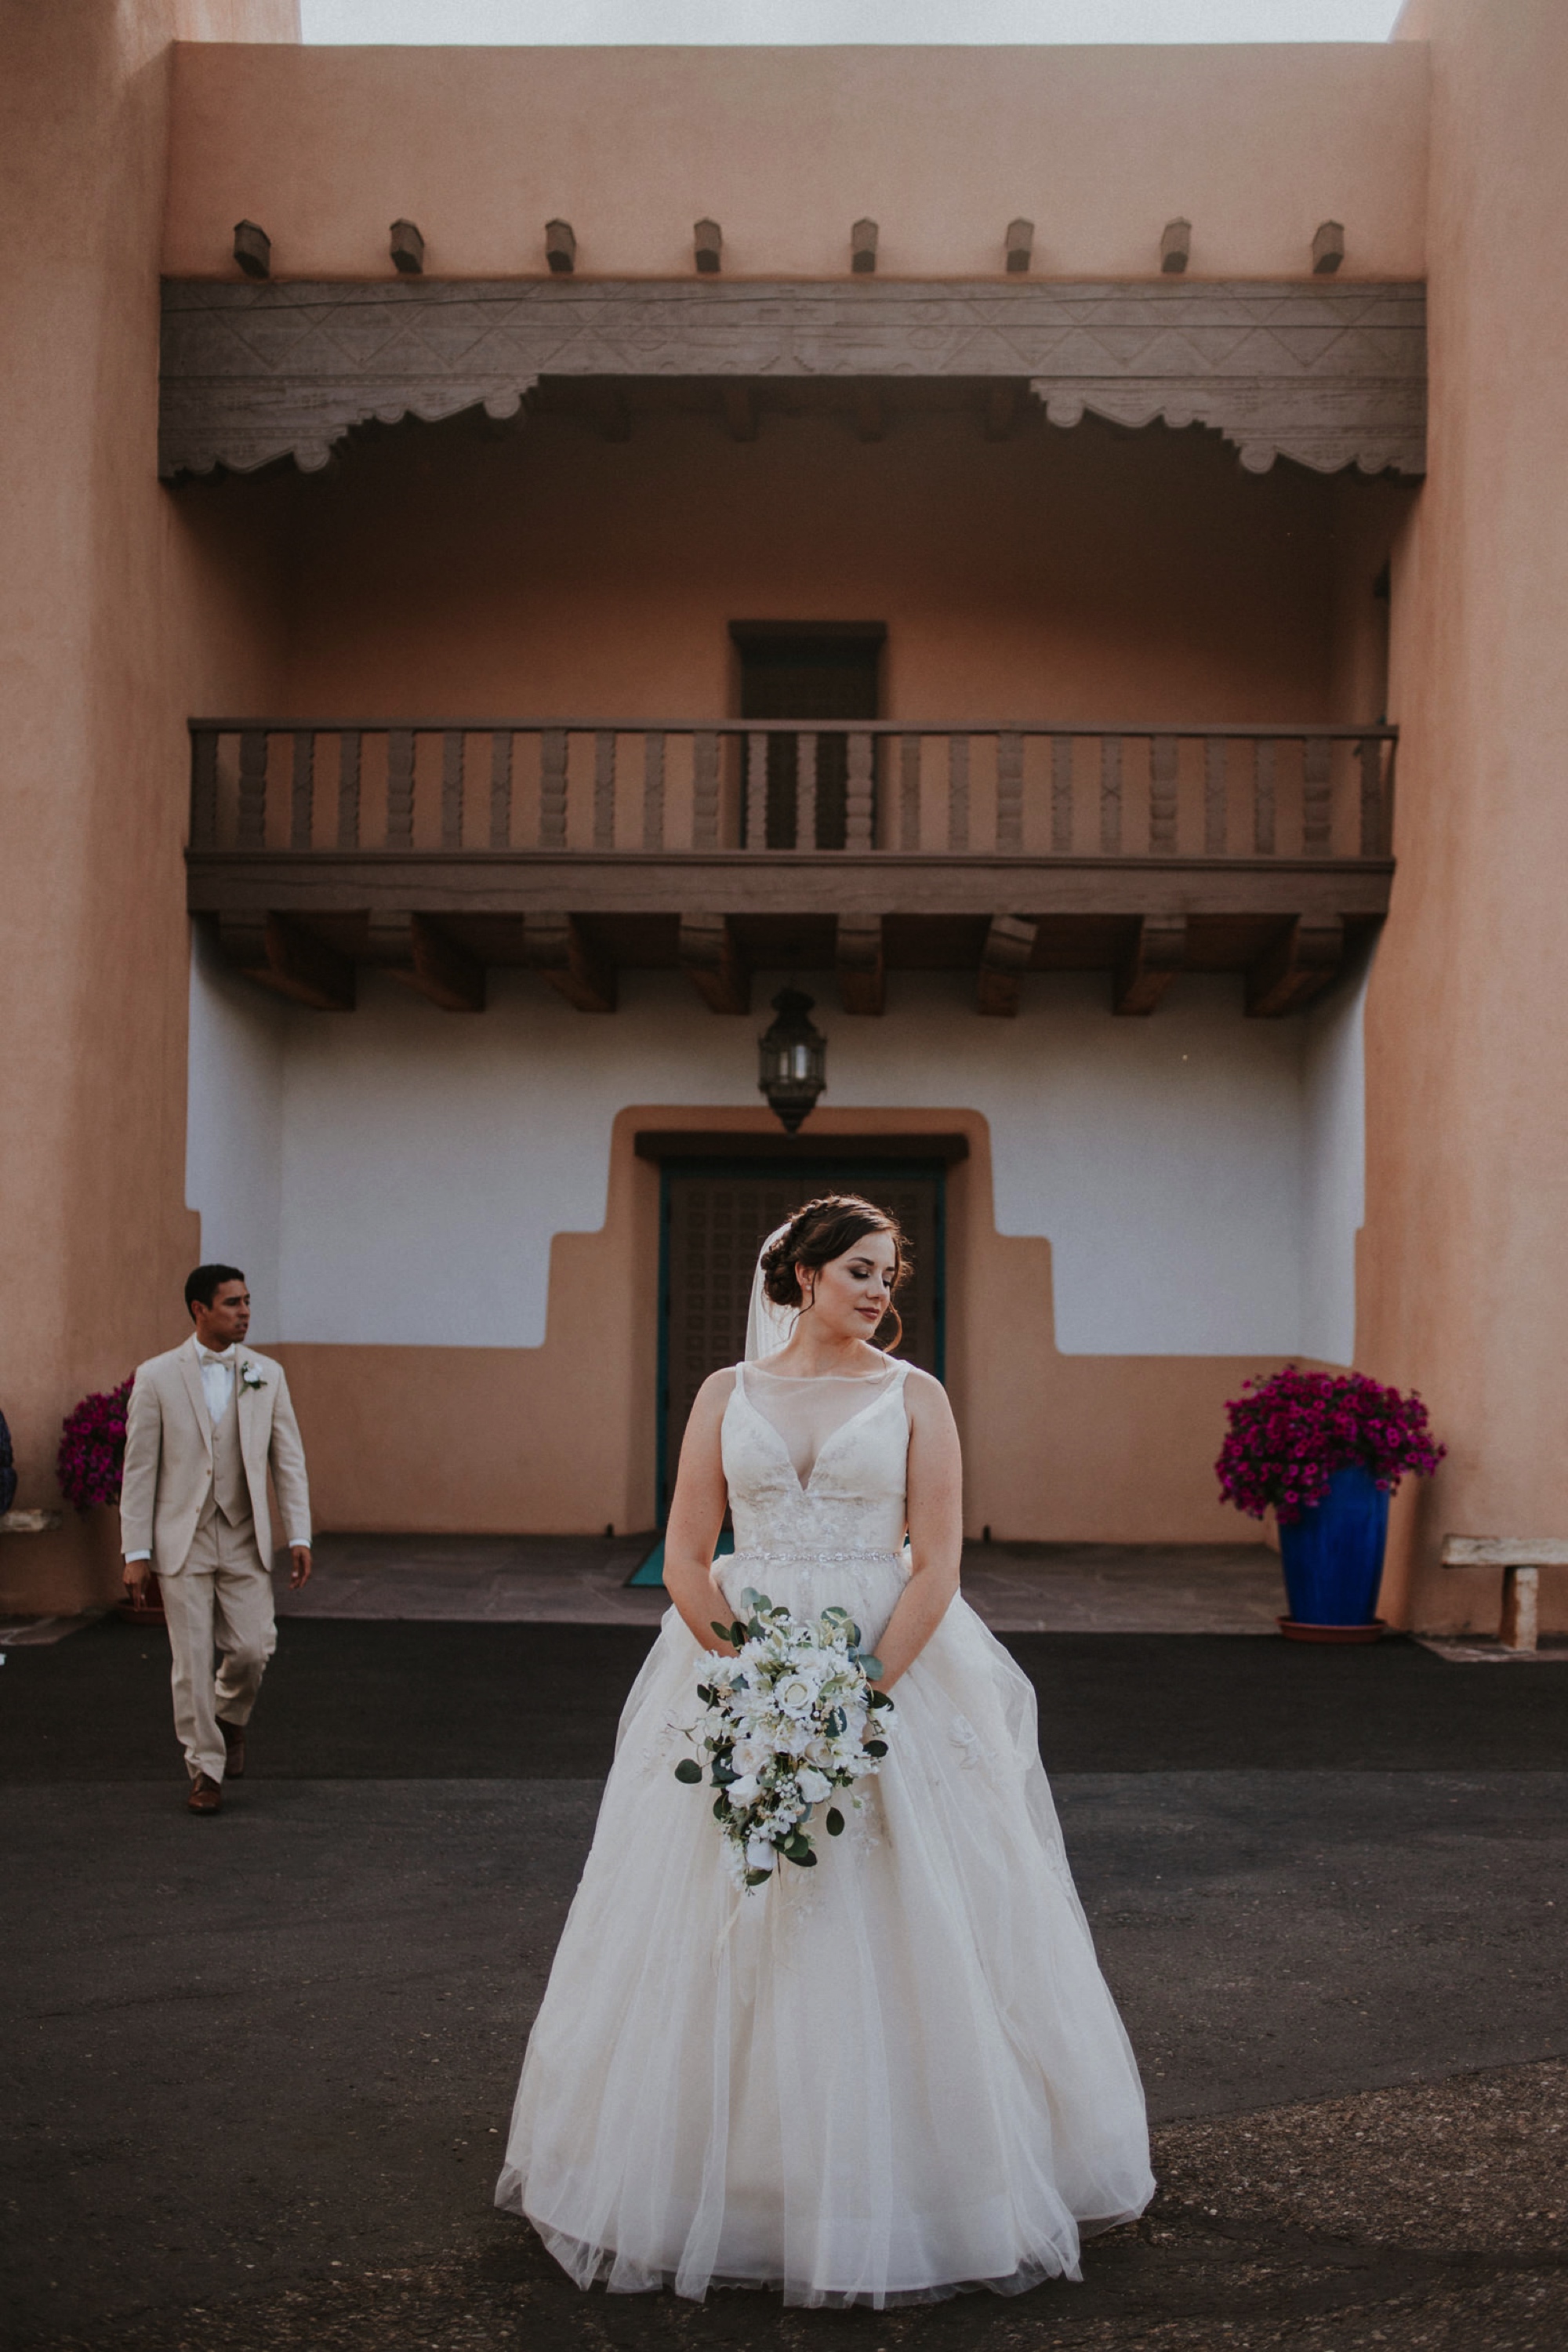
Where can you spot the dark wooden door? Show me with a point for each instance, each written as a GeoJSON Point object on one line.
{"type": "Point", "coordinates": [716, 1220]}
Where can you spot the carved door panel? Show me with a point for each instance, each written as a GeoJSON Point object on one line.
{"type": "Point", "coordinates": [715, 1222]}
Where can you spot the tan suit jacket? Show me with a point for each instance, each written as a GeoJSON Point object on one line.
{"type": "Point", "coordinates": [169, 1456]}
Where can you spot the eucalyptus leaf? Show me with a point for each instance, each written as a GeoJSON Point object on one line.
{"type": "Point", "coordinates": [689, 1769]}
{"type": "Point", "coordinates": [875, 1747]}
{"type": "Point", "coordinates": [807, 1860]}
{"type": "Point", "coordinates": [873, 1667]}
{"type": "Point", "coordinates": [835, 1821]}
{"type": "Point", "coordinates": [721, 1807]}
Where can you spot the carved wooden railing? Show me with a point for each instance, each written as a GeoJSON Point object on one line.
{"type": "Point", "coordinates": [630, 789]}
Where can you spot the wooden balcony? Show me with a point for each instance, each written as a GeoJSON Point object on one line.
{"type": "Point", "coordinates": [436, 848]}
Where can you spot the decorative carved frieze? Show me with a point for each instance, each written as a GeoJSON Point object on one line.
{"type": "Point", "coordinates": [1330, 375]}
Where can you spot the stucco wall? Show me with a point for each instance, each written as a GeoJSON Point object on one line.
{"type": "Point", "coordinates": [1465, 1257]}
{"type": "Point", "coordinates": [786, 147]}
{"type": "Point", "coordinates": [397, 1182]}
{"type": "Point", "coordinates": [112, 621]}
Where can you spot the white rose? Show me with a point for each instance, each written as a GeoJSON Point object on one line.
{"type": "Point", "coordinates": [794, 1695]}
{"type": "Point", "coordinates": [812, 1785]}
{"type": "Point", "coordinates": [758, 1855]}
{"type": "Point", "coordinates": [745, 1791]}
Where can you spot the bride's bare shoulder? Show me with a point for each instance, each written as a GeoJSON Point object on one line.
{"type": "Point", "coordinates": [716, 1390]}
{"type": "Point", "coordinates": [925, 1393]}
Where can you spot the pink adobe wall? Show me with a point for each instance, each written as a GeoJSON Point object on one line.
{"type": "Point", "coordinates": [786, 147]}
{"type": "Point", "coordinates": [1087, 573]}
{"type": "Point", "coordinates": [111, 618]}
{"type": "Point", "coordinates": [1464, 1263]}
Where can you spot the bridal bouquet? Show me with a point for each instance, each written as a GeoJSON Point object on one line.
{"type": "Point", "coordinates": [789, 1718]}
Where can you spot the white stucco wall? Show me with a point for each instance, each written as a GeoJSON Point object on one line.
{"type": "Point", "coordinates": [402, 1170]}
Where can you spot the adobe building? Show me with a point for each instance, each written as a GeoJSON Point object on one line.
{"type": "Point", "coordinates": [1061, 554]}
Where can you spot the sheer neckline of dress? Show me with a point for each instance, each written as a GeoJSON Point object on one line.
{"type": "Point", "coordinates": [806, 1410]}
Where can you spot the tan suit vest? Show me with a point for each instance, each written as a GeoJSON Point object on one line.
{"type": "Point", "coordinates": [229, 1490]}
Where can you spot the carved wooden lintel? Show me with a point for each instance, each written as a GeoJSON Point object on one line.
{"type": "Point", "coordinates": [1297, 967]}
{"type": "Point", "coordinates": [861, 964]}
{"type": "Point", "coordinates": [281, 955]}
{"type": "Point", "coordinates": [1157, 954]}
{"type": "Point", "coordinates": [1328, 374]}
{"type": "Point", "coordinates": [423, 956]}
{"type": "Point", "coordinates": [559, 948]}
{"type": "Point", "coordinates": [1004, 961]}
{"type": "Point", "coordinates": [711, 958]}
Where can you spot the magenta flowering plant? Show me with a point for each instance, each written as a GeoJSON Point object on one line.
{"type": "Point", "coordinates": [92, 1448]}
{"type": "Point", "coordinates": [1292, 1431]}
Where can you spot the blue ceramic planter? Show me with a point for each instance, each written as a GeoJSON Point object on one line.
{"type": "Point", "coordinates": [1332, 1556]}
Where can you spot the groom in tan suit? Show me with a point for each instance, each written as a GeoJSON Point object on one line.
{"type": "Point", "coordinates": [205, 1423]}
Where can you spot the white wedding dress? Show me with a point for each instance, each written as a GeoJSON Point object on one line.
{"type": "Point", "coordinates": [879, 2080]}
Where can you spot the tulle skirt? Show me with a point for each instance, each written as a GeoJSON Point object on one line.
{"type": "Point", "coordinates": [879, 2080]}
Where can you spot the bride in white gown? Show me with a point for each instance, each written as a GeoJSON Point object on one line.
{"type": "Point", "coordinates": [899, 2073]}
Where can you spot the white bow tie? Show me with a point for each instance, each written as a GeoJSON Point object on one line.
{"type": "Point", "coordinates": [206, 1356]}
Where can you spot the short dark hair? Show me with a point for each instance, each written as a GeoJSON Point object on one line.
{"type": "Point", "coordinates": [205, 1282]}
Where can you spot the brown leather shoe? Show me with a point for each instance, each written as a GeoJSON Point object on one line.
{"type": "Point", "coordinates": [205, 1796]}
{"type": "Point", "coordinates": [234, 1749]}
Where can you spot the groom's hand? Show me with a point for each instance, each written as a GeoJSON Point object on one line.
{"type": "Point", "coordinates": [138, 1575]}
{"type": "Point", "coordinates": [301, 1572]}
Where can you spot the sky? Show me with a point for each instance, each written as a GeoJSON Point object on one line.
{"type": "Point", "coordinates": [827, 21]}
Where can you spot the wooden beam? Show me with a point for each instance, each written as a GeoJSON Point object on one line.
{"type": "Point", "coordinates": [870, 412]}
{"type": "Point", "coordinates": [710, 957]}
{"type": "Point", "coordinates": [1157, 955]}
{"type": "Point", "coordinates": [1019, 244]}
{"type": "Point", "coordinates": [560, 247]}
{"type": "Point", "coordinates": [407, 249]}
{"type": "Point", "coordinates": [1175, 246]}
{"type": "Point", "coordinates": [558, 947]}
{"type": "Point", "coordinates": [741, 411]}
{"type": "Point", "coordinates": [861, 964]}
{"type": "Point", "coordinates": [252, 250]}
{"type": "Point", "coordinates": [281, 955]}
{"type": "Point", "coordinates": [708, 247]}
{"type": "Point", "coordinates": [423, 956]}
{"type": "Point", "coordinates": [1300, 965]}
{"type": "Point", "coordinates": [1327, 248]}
{"type": "Point", "coordinates": [1004, 961]}
{"type": "Point", "coordinates": [863, 249]}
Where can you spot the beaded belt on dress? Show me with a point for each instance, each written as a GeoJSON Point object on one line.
{"type": "Point", "coordinates": [780, 1558]}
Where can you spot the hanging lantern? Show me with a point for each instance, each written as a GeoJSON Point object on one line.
{"type": "Point", "coordinates": [792, 1060]}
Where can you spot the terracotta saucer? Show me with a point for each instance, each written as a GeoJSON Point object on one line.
{"type": "Point", "coordinates": [1294, 1631]}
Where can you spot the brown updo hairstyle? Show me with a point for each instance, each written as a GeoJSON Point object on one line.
{"type": "Point", "coordinates": [824, 1229]}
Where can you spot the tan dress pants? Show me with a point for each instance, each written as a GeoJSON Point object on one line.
{"type": "Point", "coordinates": [222, 1600]}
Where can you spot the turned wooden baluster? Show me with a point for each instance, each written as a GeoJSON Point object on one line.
{"type": "Point", "coordinates": [1110, 795]}
{"type": "Point", "coordinates": [860, 811]}
{"type": "Point", "coordinates": [705, 791]}
{"type": "Point", "coordinates": [552, 788]}
{"type": "Point", "coordinates": [252, 791]}
{"type": "Point", "coordinates": [1061, 795]}
{"type": "Point", "coordinates": [1217, 828]}
{"type": "Point", "coordinates": [909, 793]}
{"type": "Point", "coordinates": [605, 788]}
{"type": "Point", "coordinates": [400, 788]}
{"type": "Point", "coordinates": [806, 794]}
{"type": "Point", "coordinates": [958, 793]}
{"type": "Point", "coordinates": [302, 799]}
{"type": "Point", "coordinates": [348, 788]}
{"type": "Point", "coordinates": [1263, 796]}
{"type": "Point", "coordinates": [453, 746]}
{"type": "Point", "coordinates": [1374, 830]}
{"type": "Point", "coordinates": [653, 791]}
{"type": "Point", "coordinates": [1009, 792]}
{"type": "Point", "coordinates": [1315, 796]}
{"type": "Point", "coordinates": [1163, 796]}
{"type": "Point", "coordinates": [757, 792]}
{"type": "Point", "coordinates": [501, 789]}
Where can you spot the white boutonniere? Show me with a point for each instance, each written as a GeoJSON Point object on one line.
{"type": "Point", "coordinates": [249, 1378]}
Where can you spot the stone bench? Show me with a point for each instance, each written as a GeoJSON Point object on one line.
{"type": "Point", "coordinates": [1522, 1561]}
